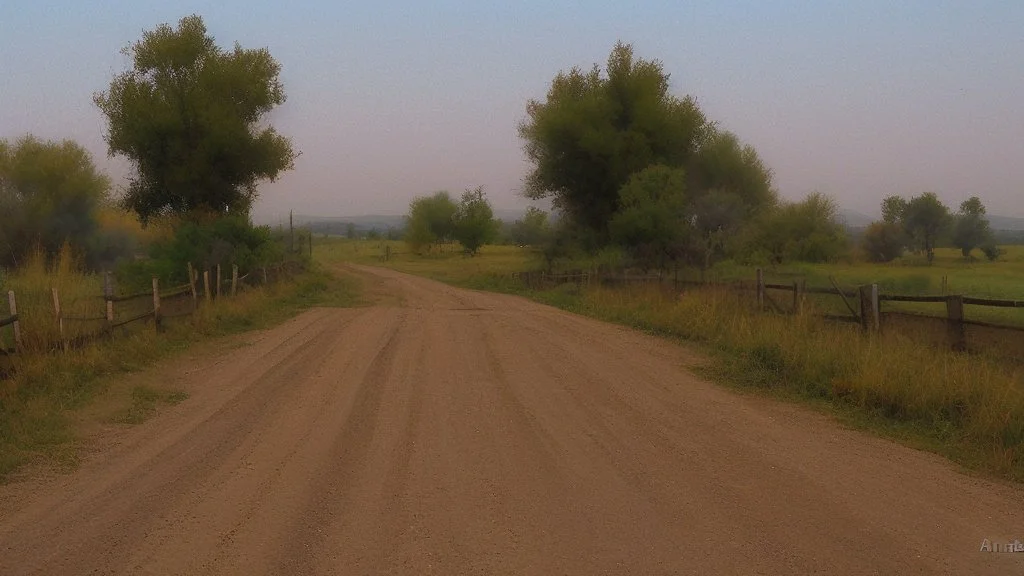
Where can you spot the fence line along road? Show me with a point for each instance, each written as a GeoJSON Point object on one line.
{"type": "Point", "coordinates": [865, 308]}
{"type": "Point", "coordinates": [200, 293]}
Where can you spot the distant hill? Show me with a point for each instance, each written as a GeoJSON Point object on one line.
{"type": "Point", "coordinates": [1006, 223]}
{"type": "Point", "coordinates": [854, 219]}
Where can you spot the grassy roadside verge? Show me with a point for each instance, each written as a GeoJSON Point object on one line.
{"type": "Point", "coordinates": [967, 408]}
{"type": "Point", "coordinates": [37, 404]}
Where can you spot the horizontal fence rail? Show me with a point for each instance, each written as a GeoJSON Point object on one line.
{"type": "Point", "coordinates": [864, 303]}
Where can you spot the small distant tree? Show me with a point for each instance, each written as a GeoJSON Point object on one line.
{"type": "Point", "coordinates": [191, 118]}
{"type": "Point", "coordinates": [893, 209]}
{"type": "Point", "coordinates": [807, 231]}
{"type": "Point", "coordinates": [652, 223]}
{"type": "Point", "coordinates": [883, 241]}
{"type": "Point", "coordinates": [474, 224]}
{"type": "Point", "coordinates": [431, 220]}
{"type": "Point", "coordinates": [971, 228]}
{"type": "Point", "coordinates": [532, 229]}
{"type": "Point", "coordinates": [924, 219]}
{"type": "Point", "coordinates": [991, 251]}
{"type": "Point", "coordinates": [350, 231]}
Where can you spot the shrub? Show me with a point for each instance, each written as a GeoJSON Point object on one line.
{"type": "Point", "coordinates": [224, 242]}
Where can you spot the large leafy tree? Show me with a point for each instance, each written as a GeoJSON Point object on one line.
{"type": "Point", "coordinates": [971, 229]}
{"type": "Point", "coordinates": [49, 195]}
{"type": "Point", "coordinates": [597, 128]}
{"type": "Point", "coordinates": [191, 117]}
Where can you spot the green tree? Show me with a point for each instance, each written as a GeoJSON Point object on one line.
{"type": "Point", "coordinates": [652, 222]}
{"type": "Point", "coordinates": [49, 194]}
{"type": "Point", "coordinates": [991, 251]}
{"type": "Point", "coordinates": [350, 231]}
{"type": "Point", "coordinates": [807, 231]}
{"type": "Point", "coordinates": [725, 165]}
{"type": "Point", "coordinates": [474, 223]}
{"type": "Point", "coordinates": [716, 215]}
{"type": "Point", "coordinates": [971, 228]}
{"type": "Point", "coordinates": [883, 241]}
{"type": "Point", "coordinates": [191, 118]}
{"type": "Point", "coordinates": [893, 209]}
{"type": "Point", "coordinates": [431, 220]}
{"type": "Point", "coordinates": [532, 229]}
{"type": "Point", "coordinates": [595, 130]}
{"type": "Point", "coordinates": [924, 219]}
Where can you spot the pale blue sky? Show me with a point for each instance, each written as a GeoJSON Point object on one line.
{"type": "Point", "coordinates": [388, 100]}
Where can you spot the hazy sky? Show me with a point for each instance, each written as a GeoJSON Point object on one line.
{"type": "Point", "coordinates": [390, 100]}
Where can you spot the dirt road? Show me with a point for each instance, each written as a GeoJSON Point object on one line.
{"type": "Point", "coordinates": [451, 432]}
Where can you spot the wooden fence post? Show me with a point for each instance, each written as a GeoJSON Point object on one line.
{"type": "Point", "coordinates": [868, 307]}
{"type": "Point", "coordinates": [234, 279]}
{"type": "Point", "coordinates": [760, 290]}
{"type": "Point", "coordinates": [206, 285]}
{"type": "Point", "coordinates": [876, 308]}
{"type": "Point", "coordinates": [955, 322]}
{"type": "Point", "coordinates": [17, 325]}
{"type": "Point", "coordinates": [156, 302]}
{"type": "Point", "coordinates": [264, 275]}
{"type": "Point", "coordinates": [60, 319]}
{"type": "Point", "coordinates": [108, 296]}
{"type": "Point", "coordinates": [192, 286]}
{"type": "Point", "coordinates": [219, 281]}
{"type": "Point", "coordinates": [798, 297]}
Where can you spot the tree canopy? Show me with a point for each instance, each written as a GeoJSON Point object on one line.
{"type": "Point", "coordinates": [474, 224]}
{"type": "Point", "coordinates": [595, 130]}
{"type": "Point", "coordinates": [49, 194]}
{"type": "Point", "coordinates": [971, 228]}
{"type": "Point", "coordinates": [808, 230]}
{"type": "Point", "coordinates": [925, 217]}
{"type": "Point", "coordinates": [651, 221]}
{"type": "Point", "coordinates": [431, 219]}
{"type": "Point", "coordinates": [191, 118]}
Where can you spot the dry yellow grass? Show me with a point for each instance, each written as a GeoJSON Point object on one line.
{"type": "Point", "coordinates": [965, 406]}
{"type": "Point", "coordinates": [80, 296]}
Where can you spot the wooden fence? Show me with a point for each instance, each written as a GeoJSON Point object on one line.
{"type": "Point", "coordinates": [157, 304]}
{"type": "Point", "coordinates": [863, 305]}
